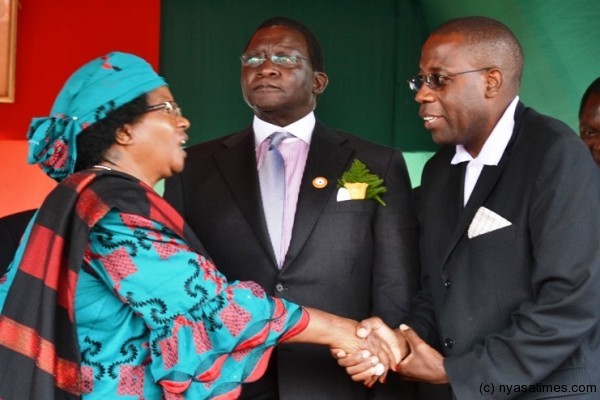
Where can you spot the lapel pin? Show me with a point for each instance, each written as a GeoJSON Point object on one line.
{"type": "Point", "coordinates": [320, 182]}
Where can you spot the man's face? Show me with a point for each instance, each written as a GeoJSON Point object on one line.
{"type": "Point", "coordinates": [455, 113]}
{"type": "Point", "coordinates": [281, 94]}
{"type": "Point", "coordinates": [589, 125]}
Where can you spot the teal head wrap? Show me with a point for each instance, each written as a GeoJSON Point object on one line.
{"type": "Point", "coordinates": [95, 89]}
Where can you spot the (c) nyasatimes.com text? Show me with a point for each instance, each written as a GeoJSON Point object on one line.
{"type": "Point", "coordinates": [487, 389]}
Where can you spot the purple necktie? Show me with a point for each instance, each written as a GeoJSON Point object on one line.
{"type": "Point", "coordinates": [272, 187]}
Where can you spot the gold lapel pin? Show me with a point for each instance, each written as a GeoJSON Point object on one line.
{"type": "Point", "coordinates": [320, 182]}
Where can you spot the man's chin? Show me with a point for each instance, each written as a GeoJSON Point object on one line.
{"type": "Point", "coordinates": [440, 138]}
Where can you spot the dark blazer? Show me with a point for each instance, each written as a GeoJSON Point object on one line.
{"type": "Point", "coordinates": [351, 258]}
{"type": "Point", "coordinates": [12, 228]}
{"type": "Point", "coordinates": [518, 305]}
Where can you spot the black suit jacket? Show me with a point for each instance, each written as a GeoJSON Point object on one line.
{"type": "Point", "coordinates": [352, 258]}
{"type": "Point", "coordinates": [518, 305]}
{"type": "Point", "coordinates": [12, 228]}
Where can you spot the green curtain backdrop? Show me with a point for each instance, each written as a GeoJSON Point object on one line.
{"type": "Point", "coordinates": [371, 48]}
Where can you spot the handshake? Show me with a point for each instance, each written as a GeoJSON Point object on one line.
{"type": "Point", "coordinates": [378, 348]}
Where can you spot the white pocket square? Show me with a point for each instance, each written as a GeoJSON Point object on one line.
{"type": "Point", "coordinates": [343, 194]}
{"type": "Point", "coordinates": [486, 221]}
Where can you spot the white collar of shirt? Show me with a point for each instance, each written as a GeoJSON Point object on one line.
{"type": "Point", "coordinates": [496, 143]}
{"type": "Point", "coordinates": [490, 153]}
{"type": "Point", "coordinates": [301, 129]}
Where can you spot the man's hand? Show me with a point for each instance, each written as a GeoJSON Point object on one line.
{"type": "Point", "coordinates": [424, 363]}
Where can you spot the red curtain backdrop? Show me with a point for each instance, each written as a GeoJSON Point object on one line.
{"type": "Point", "coordinates": [53, 39]}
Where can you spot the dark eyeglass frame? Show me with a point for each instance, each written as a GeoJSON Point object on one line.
{"type": "Point", "coordinates": [280, 59]}
{"type": "Point", "coordinates": [169, 106]}
{"type": "Point", "coordinates": [436, 81]}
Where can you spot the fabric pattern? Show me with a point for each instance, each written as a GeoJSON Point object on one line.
{"type": "Point", "coordinates": [94, 90]}
{"type": "Point", "coordinates": [486, 221]}
{"type": "Point", "coordinates": [139, 321]}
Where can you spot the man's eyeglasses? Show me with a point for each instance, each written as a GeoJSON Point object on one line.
{"type": "Point", "coordinates": [170, 108]}
{"type": "Point", "coordinates": [436, 81]}
{"type": "Point", "coordinates": [283, 60]}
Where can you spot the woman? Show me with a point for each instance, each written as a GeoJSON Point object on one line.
{"type": "Point", "coordinates": [110, 295]}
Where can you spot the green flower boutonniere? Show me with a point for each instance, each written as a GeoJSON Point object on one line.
{"type": "Point", "coordinates": [358, 183]}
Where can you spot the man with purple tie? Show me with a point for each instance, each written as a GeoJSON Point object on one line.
{"type": "Point", "coordinates": [335, 246]}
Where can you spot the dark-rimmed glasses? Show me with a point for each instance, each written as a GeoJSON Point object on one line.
{"type": "Point", "coordinates": [436, 81]}
{"type": "Point", "coordinates": [283, 60]}
{"type": "Point", "coordinates": [170, 108]}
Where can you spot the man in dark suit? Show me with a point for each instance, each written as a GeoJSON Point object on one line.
{"type": "Point", "coordinates": [511, 220]}
{"type": "Point", "coordinates": [11, 229]}
{"type": "Point", "coordinates": [589, 119]}
{"type": "Point", "coordinates": [351, 257]}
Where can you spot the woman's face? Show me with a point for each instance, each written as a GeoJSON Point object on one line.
{"type": "Point", "coordinates": [157, 138]}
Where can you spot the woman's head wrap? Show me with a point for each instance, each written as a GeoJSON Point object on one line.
{"type": "Point", "coordinates": [95, 89]}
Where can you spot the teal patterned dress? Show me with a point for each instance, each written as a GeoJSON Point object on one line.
{"type": "Point", "coordinates": [153, 318]}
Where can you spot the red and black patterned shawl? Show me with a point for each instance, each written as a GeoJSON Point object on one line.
{"type": "Point", "coordinates": [39, 352]}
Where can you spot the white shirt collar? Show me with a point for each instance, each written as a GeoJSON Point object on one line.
{"type": "Point", "coordinates": [302, 129]}
{"type": "Point", "coordinates": [496, 143]}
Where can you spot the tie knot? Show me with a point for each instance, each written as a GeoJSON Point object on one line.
{"type": "Point", "coordinates": [276, 139]}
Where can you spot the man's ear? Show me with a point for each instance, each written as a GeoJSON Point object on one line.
{"type": "Point", "coordinates": [320, 83]}
{"type": "Point", "coordinates": [124, 135]}
{"type": "Point", "coordinates": [494, 81]}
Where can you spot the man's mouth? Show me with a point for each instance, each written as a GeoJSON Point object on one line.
{"type": "Point", "coordinates": [430, 120]}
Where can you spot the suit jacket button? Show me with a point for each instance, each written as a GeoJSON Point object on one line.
{"type": "Point", "coordinates": [279, 288]}
{"type": "Point", "coordinates": [447, 284]}
{"type": "Point", "coordinates": [448, 343]}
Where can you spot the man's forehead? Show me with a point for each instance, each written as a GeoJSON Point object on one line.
{"type": "Point", "coordinates": [442, 53]}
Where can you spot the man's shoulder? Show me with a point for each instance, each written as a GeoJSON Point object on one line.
{"type": "Point", "coordinates": [364, 145]}
{"type": "Point", "coordinates": [537, 133]}
{"type": "Point", "coordinates": [536, 122]}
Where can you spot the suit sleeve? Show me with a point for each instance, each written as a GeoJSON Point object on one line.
{"type": "Point", "coordinates": [562, 311]}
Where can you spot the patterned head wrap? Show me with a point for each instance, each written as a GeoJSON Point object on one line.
{"type": "Point", "coordinates": [89, 94]}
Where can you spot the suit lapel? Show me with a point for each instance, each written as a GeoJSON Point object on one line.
{"type": "Point", "coordinates": [486, 182]}
{"type": "Point", "coordinates": [328, 159]}
{"type": "Point", "coordinates": [483, 188]}
{"type": "Point", "coordinates": [443, 203]}
{"type": "Point", "coordinates": [238, 166]}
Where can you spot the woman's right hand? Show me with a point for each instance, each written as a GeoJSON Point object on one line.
{"type": "Point", "coordinates": [360, 365]}
{"type": "Point", "coordinates": [377, 351]}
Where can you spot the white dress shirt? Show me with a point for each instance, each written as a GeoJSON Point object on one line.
{"type": "Point", "coordinates": [490, 153]}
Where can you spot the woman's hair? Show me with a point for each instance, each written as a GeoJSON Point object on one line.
{"type": "Point", "coordinates": [94, 141]}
